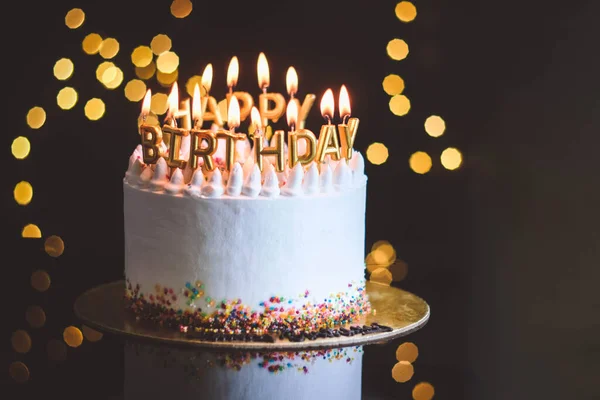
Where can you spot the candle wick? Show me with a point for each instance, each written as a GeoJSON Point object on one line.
{"type": "Point", "coordinates": [328, 120]}
{"type": "Point", "coordinates": [264, 89]}
{"type": "Point", "coordinates": [345, 119]}
{"type": "Point", "coordinates": [230, 90]}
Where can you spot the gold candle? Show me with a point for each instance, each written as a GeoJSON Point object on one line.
{"type": "Point", "coordinates": [246, 101]}
{"type": "Point", "coordinates": [328, 140]}
{"type": "Point", "coordinates": [151, 135]}
{"type": "Point", "coordinates": [291, 82]}
{"type": "Point", "coordinates": [276, 150]}
{"type": "Point", "coordinates": [347, 132]}
{"type": "Point", "coordinates": [278, 109]}
{"type": "Point", "coordinates": [175, 133]}
{"type": "Point", "coordinates": [233, 121]}
{"type": "Point", "coordinates": [200, 136]}
{"type": "Point", "coordinates": [293, 137]}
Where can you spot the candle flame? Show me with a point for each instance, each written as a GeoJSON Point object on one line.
{"type": "Point", "coordinates": [292, 114]}
{"type": "Point", "coordinates": [207, 77]}
{"type": "Point", "coordinates": [232, 72]}
{"type": "Point", "coordinates": [233, 113]}
{"type": "Point", "coordinates": [255, 117]}
{"type": "Point", "coordinates": [146, 103]}
{"type": "Point", "coordinates": [344, 103]}
{"type": "Point", "coordinates": [327, 105]}
{"type": "Point", "coordinates": [196, 106]}
{"type": "Point", "coordinates": [291, 81]}
{"type": "Point", "coordinates": [262, 67]}
{"type": "Point", "coordinates": [173, 100]}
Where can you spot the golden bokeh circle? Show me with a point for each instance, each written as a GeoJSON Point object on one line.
{"type": "Point", "coordinates": [54, 246]}
{"type": "Point", "coordinates": [20, 147]}
{"type": "Point", "coordinates": [451, 158]}
{"type": "Point", "coordinates": [74, 18]}
{"type": "Point", "coordinates": [420, 162]}
{"type": "Point", "coordinates": [403, 371]}
{"type": "Point", "coordinates": [94, 109]}
{"type": "Point", "coordinates": [40, 280]}
{"type": "Point", "coordinates": [106, 71]}
{"type": "Point", "coordinates": [31, 231]}
{"type": "Point", "coordinates": [159, 103]}
{"type": "Point", "coordinates": [135, 90]}
{"type": "Point", "coordinates": [63, 69]}
{"type": "Point", "coordinates": [406, 11]}
{"type": "Point", "coordinates": [393, 84]}
{"type": "Point", "coordinates": [399, 105]}
{"type": "Point", "coordinates": [181, 8]}
{"type": "Point", "coordinates": [166, 80]}
{"type": "Point", "coordinates": [23, 193]}
{"type": "Point", "coordinates": [192, 82]}
{"type": "Point", "coordinates": [160, 43]}
{"type": "Point", "coordinates": [19, 372]}
{"type": "Point", "coordinates": [91, 43]}
{"type": "Point", "coordinates": [116, 81]}
{"type": "Point", "coordinates": [21, 341]}
{"type": "Point", "coordinates": [109, 48]}
{"type": "Point", "coordinates": [72, 336]}
{"type": "Point", "coordinates": [146, 72]}
{"type": "Point", "coordinates": [36, 117]}
{"type": "Point", "coordinates": [57, 350]}
{"type": "Point", "coordinates": [91, 334]}
{"type": "Point", "coordinates": [423, 391]}
{"type": "Point", "coordinates": [141, 56]}
{"type": "Point", "coordinates": [382, 276]}
{"type": "Point", "coordinates": [383, 253]}
{"type": "Point", "coordinates": [35, 316]}
{"type": "Point", "coordinates": [397, 49]}
{"type": "Point", "coordinates": [377, 153]}
{"type": "Point", "coordinates": [399, 270]}
{"type": "Point", "coordinates": [66, 98]}
{"type": "Point", "coordinates": [167, 62]}
{"type": "Point", "coordinates": [435, 126]}
{"type": "Point", "coordinates": [407, 351]}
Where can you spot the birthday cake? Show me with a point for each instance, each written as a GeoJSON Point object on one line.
{"type": "Point", "coordinates": [233, 236]}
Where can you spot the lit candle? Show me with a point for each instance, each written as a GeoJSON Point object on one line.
{"type": "Point", "coordinates": [210, 108]}
{"type": "Point", "coordinates": [244, 98]}
{"type": "Point", "coordinates": [233, 121]}
{"type": "Point", "coordinates": [278, 109]}
{"type": "Point", "coordinates": [200, 136]}
{"type": "Point", "coordinates": [232, 73]}
{"type": "Point", "coordinates": [259, 144]}
{"type": "Point", "coordinates": [328, 140]}
{"type": "Point", "coordinates": [151, 135]}
{"type": "Point", "coordinates": [175, 133]}
{"type": "Point", "coordinates": [347, 132]}
{"type": "Point", "coordinates": [291, 82]}
{"type": "Point", "coordinates": [293, 137]}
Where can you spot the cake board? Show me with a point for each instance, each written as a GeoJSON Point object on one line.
{"type": "Point", "coordinates": [102, 308]}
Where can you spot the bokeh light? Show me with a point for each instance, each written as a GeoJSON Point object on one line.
{"type": "Point", "coordinates": [21, 341]}
{"type": "Point", "coordinates": [377, 153]}
{"type": "Point", "coordinates": [191, 83]}
{"type": "Point", "coordinates": [383, 253]}
{"type": "Point", "coordinates": [435, 126]}
{"type": "Point", "coordinates": [36, 117]}
{"type": "Point", "coordinates": [135, 90]}
{"type": "Point", "coordinates": [31, 231]}
{"type": "Point", "coordinates": [402, 371]}
{"type": "Point", "coordinates": [91, 43]}
{"type": "Point", "coordinates": [181, 8]}
{"type": "Point", "coordinates": [23, 193]}
{"type": "Point", "coordinates": [116, 81]}
{"type": "Point", "coordinates": [399, 105]}
{"type": "Point", "coordinates": [72, 336]}
{"type": "Point", "coordinates": [54, 246]}
{"type": "Point", "coordinates": [35, 316]}
{"type": "Point", "coordinates": [393, 84]}
{"type": "Point", "coordinates": [57, 350]}
{"type": "Point", "coordinates": [20, 147]}
{"type": "Point", "coordinates": [19, 372]}
{"type": "Point", "coordinates": [166, 80]}
{"type": "Point", "coordinates": [381, 276]}
{"type": "Point", "coordinates": [451, 158]}
{"type": "Point", "coordinates": [74, 18]}
{"type": "Point", "coordinates": [94, 109]}
{"type": "Point", "coordinates": [399, 270]}
{"type": "Point", "coordinates": [159, 103]}
{"type": "Point", "coordinates": [66, 98]}
{"type": "Point", "coordinates": [63, 69]}
{"type": "Point", "coordinates": [167, 62]}
{"type": "Point", "coordinates": [106, 72]}
{"type": "Point", "coordinates": [420, 162]}
{"type": "Point", "coordinates": [146, 72]}
{"type": "Point", "coordinates": [141, 56]}
{"type": "Point", "coordinates": [407, 351]}
{"type": "Point", "coordinates": [160, 44]}
{"type": "Point", "coordinates": [397, 49]}
{"type": "Point", "coordinates": [109, 48]}
{"type": "Point", "coordinates": [91, 334]}
{"type": "Point", "coordinates": [423, 391]}
{"type": "Point", "coordinates": [40, 280]}
{"type": "Point", "coordinates": [406, 11]}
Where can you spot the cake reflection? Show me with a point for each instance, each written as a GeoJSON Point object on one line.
{"type": "Point", "coordinates": [155, 371]}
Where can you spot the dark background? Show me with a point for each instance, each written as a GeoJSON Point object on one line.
{"type": "Point", "coordinates": [505, 249]}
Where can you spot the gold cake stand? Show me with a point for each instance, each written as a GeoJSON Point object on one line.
{"type": "Point", "coordinates": [103, 308]}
